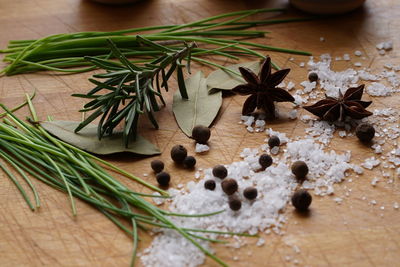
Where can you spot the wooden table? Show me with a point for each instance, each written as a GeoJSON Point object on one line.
{"type": "Point", "coordinates": [351, 234]}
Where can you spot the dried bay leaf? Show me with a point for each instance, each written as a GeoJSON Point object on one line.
{"type": "Point", "coordinates": [224, 80]}
{"type": "Point", "coordinates": [87, 139]}
{"type": "Point", "coordinates": [200, 109]}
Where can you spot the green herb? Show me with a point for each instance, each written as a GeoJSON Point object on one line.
{"type": "Point", "coordinates": [29, 149]}
{"type": "Point", "coordinates": [229, 77]}
{"type": "Point", "coordinates": [87, 139]}
{"type": "Point", "coordinates": [138, 85]}
{"type": "Point", "coordinates": [200, 109]}
{"type": "Point", "coordinates": [61, 52]}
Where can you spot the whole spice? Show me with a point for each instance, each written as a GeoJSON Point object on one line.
{"type": "Point", "coordinates": [157, 165]}
{"type": "Point", "coordinates": [220, 171]}
{"type": "Point", "coordinates": [189, 162]}
{"type": "Point", "coordinates": [300, 170]}
{"type": "Point", "coordinates": [201, 134]}
{"type": "Point", "coordinates": [234, 203]}
{"type": "Point", "coordinates": [178, 153]}
{"type": "Point", "coordinates": [349, 104]}
{"type": "Point", "coordinates": [313, 77]}
{"type": "Point", "coordinates": [265, 161]}
{"type": "Point", "coordinates": [209, 184]}
{"type": "Point", "coordinates": [262, 89]}
{"type": "Point", "coordinates": [250, 193]}
{"type": "Point", "coordinates": [229, 186]}
{"type": "Point", "coordinates": [163, 178]}
{"type": "Point", "coordinates": [301, 200]}
{"type": "Point", "coordinates": [365, 132]}
{"type": "Point", "coordinates": [274, 141]}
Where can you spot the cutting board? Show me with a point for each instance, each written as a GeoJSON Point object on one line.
{"type": "Point", "coordinates": [354, 233]}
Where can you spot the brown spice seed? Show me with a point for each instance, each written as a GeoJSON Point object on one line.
{"type": "Point", "coordinates": [300, 169]}
{"type": "Point", "coordinates": [220, 171]}
{"type": "Point", "coordinates": [301, 200]}
{"type": "Point", "coordinates": [235, 203]}
{"type": "Point", "coordinates": [274, 141]}
{"type": "Point", "coordinates": [201, 134]}
{"type": "Point", "coordinates": [265, 161]}
{"type": "Point", "coordinates": [157, 165]}
{"type": "Point", "coordinates": [189, 162]}
{"type": "Point", "coordinates": [229, 186]}
{"type": "Point", "coordinates": [163, 178]}
{"type": "Point", "coordinates": [250, 193]}
{"type": "Point", "coordinates": [365, 132]}
{"type": "Point", "coordinates": [178, 153]}
{"type": "Point", "coordinates": [209, 184]}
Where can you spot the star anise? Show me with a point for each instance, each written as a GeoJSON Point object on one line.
{"type": "Point", "coordinates": [349, 104]}
{"type": "Point", "coordinates": [262, 89]}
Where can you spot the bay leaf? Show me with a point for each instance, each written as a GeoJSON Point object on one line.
{"type": "Point", "coordinates": [224, 80]}
{"type": "Point", "coordinates": [200, 109]}
{"type": "Point", "coordinates": [87, 139]}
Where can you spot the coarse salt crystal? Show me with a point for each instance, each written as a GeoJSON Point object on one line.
{"type": "Point", "coordinates": [396, 205]}
{"type": "Point", "coordinates": [378, 89]}
{"type": "Point", "coordinates": [346, 57]}
{"type": "Point", "coordinates": [374, 181]}
{"type": "Point", "coordinates": [302, 64]}
{"type": "Point", "coordinates": [200, 148]}
{"type": "Point", "coordinates": [290, 86]}
{"type": "Point", "coordinates": [358, 64]}
{"type": "Point", "coordinates": [358, 53]}
{"type": "Point", "coordinates": [370, 163]}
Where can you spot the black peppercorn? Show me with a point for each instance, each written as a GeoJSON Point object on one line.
{"type": "Point", "coordinates": [274, 141]}
{"type": "Point", "coordinates": [300, 169]}
{"type": "Point", "coordinates": [209, 184]}
{"type": "Point", "coordinates": [229, 186]}
{"type": "Point", "coordinates": [313, 77]}
{"type": "Point", "coordinates": [365, 132]}
{"type": "Point", "coordinates": [265, 161]}
{"type": "Point", "coordinates": [250, 193]}
{"type": "Point", "coordinates": [201, 134]}
{"type": "Point", "coordinates": [301, 200]}
{"type": "Point", "coordinates": [220, 171]}
{"type": "Point", "coordinates": [189, 162]}
{"type": "Point", "coordinates": [235, 203]}
{"type": "Point", "coordinates": [178, 153]}
{"type": "Point", "coordinates": [157, 165]}
{"type": "Point", "coordinates": [163, 178]}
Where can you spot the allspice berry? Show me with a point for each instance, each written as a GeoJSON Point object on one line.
{"type": "Point", "coordinates": [220, 171]}
{"type": "Point", "coordinates": [265, 161]}
{"type": "Point", "coordinates": [365, 132]}
{"type": "Point", "coordinates": [235, 203]}
{"type": "Point", "coordinates": [163, 178]}
{"type": "Point", "coordinates": [229, 186]}
{"type": "Point", "coordinates": [313, 77]}
{"type": "Point", "coordinates": [209, 185]}
{"type": "Point", "coordinates": [301, 200]}
{"type": "Point", "coordinates": [274, 141]}
{"type": "Point", "coordinates": [178, 153]}
{"type": "Point", "coordinates": [300, 169]}
{"type": "Point", "coordinates": [250, 193]}
{"type": "Point", "coordinates": [201, 134]}
{"type": "Point", "coordinates": [157, 165]}
{"type": "Point", "coordinates": [189, 162]}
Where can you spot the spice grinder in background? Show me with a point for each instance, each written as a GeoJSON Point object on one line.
{"type": "Point", "coordinates": [327, 6]}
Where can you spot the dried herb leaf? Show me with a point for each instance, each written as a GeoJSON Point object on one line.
{"type": "Point", "coordinates": [87, 139]}
{"type": "Point", "coordinates": [224, 80]}
{"type": "Point", "coordinates": [200, 108]}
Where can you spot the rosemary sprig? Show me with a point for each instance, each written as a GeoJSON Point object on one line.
{"type": "Point", "coordinates": [131, 89]}
{"type": "Point", "coordinates": [62, 51]}
{"type": "Point", "coordinates": [30, 150]}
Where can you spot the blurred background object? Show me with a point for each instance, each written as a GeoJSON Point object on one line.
{"type": "Point", "coordinates": [115, 2]}
{"type": "Point", "coordinates": [327, 6]}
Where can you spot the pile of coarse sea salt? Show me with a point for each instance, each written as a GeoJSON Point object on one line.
{"type": "Point", "coordinates": [276, 184]}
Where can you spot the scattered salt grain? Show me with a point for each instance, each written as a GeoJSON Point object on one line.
{"type": "Point", "coordinates": [321, 39]}
{"type": "Point", "coordinates": [388, 45]}
{"type": "Point", "coordinates": [158, 200]}
{"type": "Point", "coordinates": [197, 175]}
{"type": "Point", "coordinates": [358, 64]}
{"type": "Point", "coordinates": [342, 133]}
{"type": "Point", "coordinates": [275, 150]}
{"type": "Point", "coordinates": [290, 86]}
{"type": "Point", "coordinates": [302, 64]}
{"type": "Point", "coordinates": [378, 89]}
{"type": "Point", "coordinates": [346, 57]}
{"type": "Point", "coordinates": [373, 202]}
{"type": "Point", "coordinates": [374, 181]}
{"type": "Point", "coordinates": [338, 200]}
{"type": "Point", "coordinates": [293, 114]}
{"type": "Point", "coordinates": [370, 163]}
{"type": "Point", "coordinates": [358, 53]}
{"type": "Point", "coordinates": [200, 148]}
{"type": "Point", "coordinates": [260, 242]}
{"type": "Point", "coordinates": [145, 174]}
{"type": "Point", "coordinates": [396, 205]}
{"type": "Point", "coordinates": [308, 86]}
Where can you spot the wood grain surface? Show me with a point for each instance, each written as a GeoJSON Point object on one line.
{"type": "Point", "coordinates": [351, 234]}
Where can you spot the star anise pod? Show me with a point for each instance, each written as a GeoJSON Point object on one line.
{"type": "Point", "coordinates": [262, 89]}
{"type": "Point", "coordinates": [349, 104]}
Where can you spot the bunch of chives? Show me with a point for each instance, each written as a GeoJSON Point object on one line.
{"type": "Point", "coordinates": [62, 51]}
{"type": "Point", "coordinates": [32, 152]}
